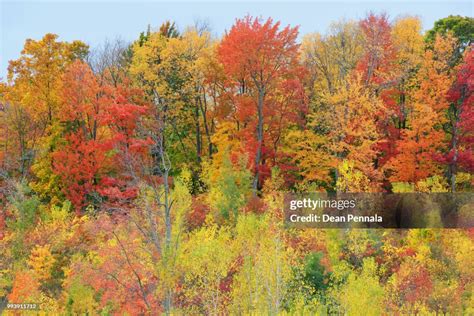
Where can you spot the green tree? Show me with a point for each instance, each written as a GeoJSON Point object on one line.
{"type": "Point", "coordinates": [462, 28]}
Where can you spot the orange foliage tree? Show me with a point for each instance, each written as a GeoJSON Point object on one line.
{"type": "Point", "coordinates": [261, 61]}
{"type": "Point", "coordinates": [424, 137]}
{"type": "Point", "coordinates": [99, 124]}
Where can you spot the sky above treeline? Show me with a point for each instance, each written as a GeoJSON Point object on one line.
{"type": "Point", "coordinates": [96, 21]}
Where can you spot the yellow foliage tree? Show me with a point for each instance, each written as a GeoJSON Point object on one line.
{"type": "Point", "coordinates": [41, 261]}
{"type": "Point", "coordinates": [362, 293]}
{"type": "Point", "coordinates": [206, 259]}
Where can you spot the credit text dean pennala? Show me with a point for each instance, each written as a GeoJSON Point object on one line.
{"type": "Point", "coordinates": [325, 218]}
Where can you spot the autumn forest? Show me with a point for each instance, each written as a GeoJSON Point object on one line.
{"type": "Point", "coordinates": [148, 178]}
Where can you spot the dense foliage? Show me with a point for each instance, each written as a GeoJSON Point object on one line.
{"type": "Point", "coordinates": [148, 178]}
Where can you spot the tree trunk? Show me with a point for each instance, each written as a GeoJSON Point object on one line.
{"type": "Point", "coordinates": [454, 143]}
{"type": "Point", "coordinates": [258, 156]}
{"type": "Point", "coordinates": [453, 164]}
{"type": "Point", "coordinates": [167, 208]}
{"type": "Point", "coordinates": [198, 132]}
{"type": "Point", "coordinates": [207, 129]}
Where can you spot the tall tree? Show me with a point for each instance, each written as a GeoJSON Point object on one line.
{"type": "Point", "coordinates": [167, 67]}
{"type": "Point", "coordinates": [38, 72]}
{"type": "Point", "coordinates": [354, 135]}
{"type": "Point", "coordinates": [33, 96]}
{"type": "Point", "coordinates": [424, 137]}
{"type": "Point", "coordinates": [258, 57]}
{"type": "Point", "coordinates": [408, 42]}
{"type": "Point", "coordinates": [460, 125]}
{"type": "Point", "coordinates": [99, 123]}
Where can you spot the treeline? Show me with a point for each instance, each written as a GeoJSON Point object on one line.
{"type": "Point", "coordinates": [148, 178]}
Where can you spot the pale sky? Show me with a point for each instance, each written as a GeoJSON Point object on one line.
{"type": "Point", "coordinates": [95, 21]}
